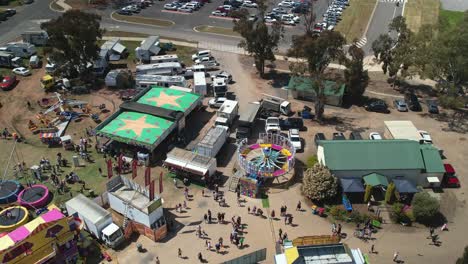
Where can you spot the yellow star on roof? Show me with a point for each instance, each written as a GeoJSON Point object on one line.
{"type": "Point", "coordinates": [165, 99]}
{"type": "Point", "coordinates": [137, 126]}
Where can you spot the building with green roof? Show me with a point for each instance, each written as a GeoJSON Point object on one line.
{"type": "Point", "coordinates": [393, 158]}
{"type": "Point", "coordinates": [303, 88]}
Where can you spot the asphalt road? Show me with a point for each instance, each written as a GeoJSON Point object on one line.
{"type": "Point", "coordinates": [384, 13]}
{"type": "Point", "coordinates": [28, 17]}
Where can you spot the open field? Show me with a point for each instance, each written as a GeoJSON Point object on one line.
{"type": "Point", "coordinates": [143, 20]}
{"type": "Point", "coordinates": [451, 17]}
{"type": "Point", "coordinates": [217, 30]}
{"type": "Point", "coordinates": [421, 12]}
{"type": "Point", "coordinates": [355, 19]}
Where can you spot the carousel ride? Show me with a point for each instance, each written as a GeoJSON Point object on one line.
{"type": "Point", "coordinates": [271, 157]}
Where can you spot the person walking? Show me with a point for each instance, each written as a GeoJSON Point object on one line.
{"type": "Point", "coordinates": [208, 245]}
{"type": "Point", "coordinates": [395, 256]}
{"type": "Point", "coordinates": [203, 193]}
{"type": "Point", "coordinates": [372, 249]}
{"type": "Point", "coordinates": [175, 182]}
{"type": "Point", "coordinates": [431, 232]}
{"type": "Point", "coordinates": [298, 207]}
{"type": "Point", "coordinates": [241, 241]}
{"type": "Point", "coordinates": [179, 253]}
{"type": "Point", "coordinates": [286, 219]}
{"type": "Point", "coordinates": [272, 214]}
{"type": "Point", "coordinates": [280, 232]}
{"type": "Point", "coordinates": [248, 209]}
{"type": "Point", "coordinates": [206, 218]}
{"type": "Point", "coordinates": [200, 257]}
{"type": "Point", "coordinates": [156, 261]}
{"type": "Point", "coordinates": [290, 219]}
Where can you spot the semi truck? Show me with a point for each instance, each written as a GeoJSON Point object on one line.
{"type": "Point", "coordinates": [212, 142]}
{"type": "Point", "coordinates": [246, 120]}
{"type": "Point", "coordinates": [96, 220]}
{"type": "Point", "coordinates": [227, 113]}
{"type": "Point", "coordinates": [275, 104]}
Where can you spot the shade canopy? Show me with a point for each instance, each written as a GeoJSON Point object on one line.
{"type": "Point", "coordinates": [404, 186]}
{"type": "Point", "coordinates": [375, 179]}
{"type": "Point", "coordinates": [352, 185]}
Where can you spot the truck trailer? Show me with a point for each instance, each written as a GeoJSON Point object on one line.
{"type": "Point", "coordinates": [96, 220]}
{"type": "Point", "coordinates": [212, 142]}
{"type": "Point", "coordinates": [246, 120]}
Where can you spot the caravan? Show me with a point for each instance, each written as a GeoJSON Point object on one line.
{"type": "Point", "coordinates": [199, 81]}
{"type": "Point", "coordinates": [165, 58]}
{"type": "Point", "coordinates": [165, 68]}
{"type": "Point", "coordinates": [144, 81]}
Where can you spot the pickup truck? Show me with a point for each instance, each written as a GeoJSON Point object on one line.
{"type": "Point", "coordinates": [272, 125]}
{"type": "Point", "coordinates": [291, 123]}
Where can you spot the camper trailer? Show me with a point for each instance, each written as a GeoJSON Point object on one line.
{"type": "Point", "coordinates": [164, 58]}
{"type": "Point", "coordinates": [144, 81]}
{"type": "Point", "coordinates": [165, 68]}
{"type": "Point", "coordinates": [19, 49]}
{"type": "Point", "coordinates": [38, 38]}
{"type": "Point", "coordinates": [148, 47]}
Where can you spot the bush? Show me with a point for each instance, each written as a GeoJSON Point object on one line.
{"type": "Point", "coordinates": [397, 215]}
{"type": "Point", "coordinates": [337, 212]}
{"type": "Point", "coordinates": [448, 101]}
{"type": "Point", "coordinates": [311, 161]}
{"type": "Point", "coordinates": [319, 184]}
{"type": "Point", "coordinates": [425, 207]}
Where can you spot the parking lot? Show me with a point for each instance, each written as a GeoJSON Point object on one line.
{"type": "Point", "coordinates": [187, 21]}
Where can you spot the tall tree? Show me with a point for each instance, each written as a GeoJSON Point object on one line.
{"type": "Point", "coordinates": [73, 37]}
{"type": "Point", "coordinates": [314, 54]}
{"type": "Point", "coordinates": [395, 54]}
{"type": "Point", "coordinates": [259, 40]}
{"type": "Point", "coordinates": [356, 77]}
{"type": "Point", "coordinates": [319, 184]}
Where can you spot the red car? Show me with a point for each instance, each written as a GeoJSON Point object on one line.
{"type": "Point", "coordinates": [8, 83]}
{"type": "Point", "coordinates": [450, 179]}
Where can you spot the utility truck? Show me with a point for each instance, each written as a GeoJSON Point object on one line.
{"type": "Point", "coordinates": [227, 113]}
{"type": "Point", "coordinates": [272, 104]}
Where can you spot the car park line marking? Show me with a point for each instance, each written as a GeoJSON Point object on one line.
{"type": "Point", "coordinates": [176, 12]}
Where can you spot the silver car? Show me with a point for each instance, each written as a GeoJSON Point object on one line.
{"type": "Point", "coordinates": [401, 105]}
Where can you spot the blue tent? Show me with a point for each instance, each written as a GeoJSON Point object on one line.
{"type": "Point", "coordinates": [352, 185]}
{"type": "Point", "coordinates": [404, 186]}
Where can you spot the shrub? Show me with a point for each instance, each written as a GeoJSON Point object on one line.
{"type": "Point", "coordinates": [397, 215]}
{"type": "Point", "coordinates": [319, 184]}
{"type": "Point", "coordinates": [425, 207]}
{"type": "Point", "coordinates": [311, 161]}
{"type": "Point", "coordinates": [337, 212]}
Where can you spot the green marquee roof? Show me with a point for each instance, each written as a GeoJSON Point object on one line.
{"type": "Point", "coordinates": [169, 99]}
{"type": "Point", "coordinates": [375, 179]}
{"type": "Point", "coordinates": [133, 127]}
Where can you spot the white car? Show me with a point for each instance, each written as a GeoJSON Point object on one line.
{"type": "Point", "coordinates": [375, 136]}
{"type": "Point", "coordinates": [224, 75]}
{"type": "Point", "coordinates": [269, 19]}
{"type": "Point", "coordinates": [288, 22]}
{"type": "Point", "coordinates": [272, 125]}
{"type": "Point", "coordinates": [185, 9]}
{"type": "Point", "coordinates": [292, 17]}
{"type": "Point", "coordinates": [285, 4]}
{"type": "Point", "coordinates": [425, 136]}
{"type": "Point", "coordinates": [218, 13]}
{"type": "Point", "coordinates": [295, 138]}
{"type": "Point", "coordinates": [216, 102]}
{"type": "Point", "coordinates": [22, 71]}
{"type": "Point", "coordinates": [249, 4]}
{"type": "Point", "coordinates": [170, 7]}
{"type": "Point", "coordinates": [205, 60]}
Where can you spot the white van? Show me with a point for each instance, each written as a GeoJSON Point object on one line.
{"type": "Point", "coordinates": [195, 68]}
{"type": "Point", "coordinates": [201, 54]}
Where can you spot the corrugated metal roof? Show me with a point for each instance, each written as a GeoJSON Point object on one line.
{"type": "Point", "coordinates": [432, 160]}
{"type": "Point", "coordinates": [392, 154]}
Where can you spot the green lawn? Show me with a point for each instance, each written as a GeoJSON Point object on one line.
{"type": "Point", "coordinates": [217, 30]}
{"type": "Point", "coordinates": [355, 19]}
{"type": "Point", "coordinates": [451, 17]}
{"type": "Point", "coordinates": [421, 12]}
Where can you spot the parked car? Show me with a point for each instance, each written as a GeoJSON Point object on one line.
{"type": "Point", "coordinates": [124, 12]}
{"type": "Point", "coordinates": [170, 7]}
{"type": "Point", "coordinates": [269, 19]}
{"type": "Point", "coordinates": [292, 122]}
{"type": "Point", "coordinates": [185, 9]}
{"type": "Point", "coordinates": [252, 18]}
{"type": "Point", "coordinates": [8, 83]}
{"type": "Point", "coordinates": [9, 12]}
{"type": "Point", "coordinates": [432, 107]}
{"type": "Point", "coordinates": [279, 10]}
{"type": "Point", "coordinates": [450, 180]}
{"type": "Point", "coordinates": [205, 59]}
{"type": "Point", "coordinates": [21, 71]}
{"type": "Point", "coordinates": [425, 136]}
{"type": "Point", "coordinates": [249, 4]}
{"type": "Point", "coordinates": [375, 136]}
{"type": "Point", "coordinates": [295, 139]}
{"type": "Point", "coordinates": [400, 105]}
{"type": "Point", "coordinates": [413, 102]}
{"type": "Point", "coordinates": [288, 22]}
{"type": "Point", "coordinates": [223, 74]}
{"type": "Point", "coordinates": [217, 102]}
{"type": "Point", "coordinates": [218, 13]}
{"type": "Point", "coordinates": [272, 125]}
{"type": "Point", "coordinates": [318, 137]}
{"type": "Point", "coordinates": [377, 106]}
{"type": "Point", "coordinates": [338, 136]}
{"type": "Point", "coordinates": [285, 4]}
{"type": "Point", "coordinates": [355, 136]}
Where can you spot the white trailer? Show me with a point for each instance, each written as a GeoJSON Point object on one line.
{"type": "Point", "coordinates": [38, 38]}
{"type": "Point", "coordinates": [164, 58]}
{"type": "Point", "coordinates": [165, 68]}
{"type": "Point", "coordinates": [96, 220]}
{"type": "Point", "coordinates": [401, 130]}
{"type": "Point", "coordinates": [145, 80]}
{"type": "Point", "coordinates": [199, 81]}
{"type": "Point", "coordinates": [20, 49]}
{"type": "Point", "coordinates": [148, 47]}
{"type": "Point", "coordinates": [191, 162]}
{"type": "Point", "coordinates": [227, 113]}
{"type": "Point", "coordinates": [212, 142]}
